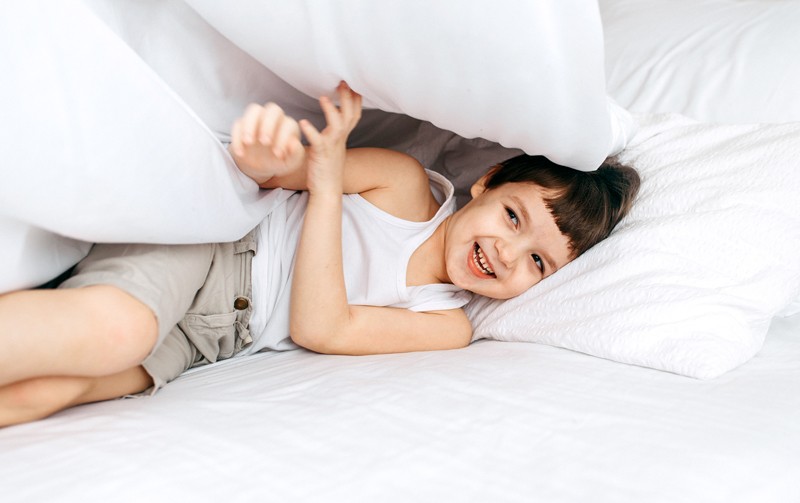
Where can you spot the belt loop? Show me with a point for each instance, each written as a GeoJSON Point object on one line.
{"type": "Point", "coordinates": [248, 243]}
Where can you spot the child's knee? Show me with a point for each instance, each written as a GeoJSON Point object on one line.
{"type": "Point", "coordinates": [126, 329]}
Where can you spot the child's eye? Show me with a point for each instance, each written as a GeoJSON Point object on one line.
{"type": "Point", "coordinates": [512, 216]}
{"type": "Point", "coordinates": [539, 262]}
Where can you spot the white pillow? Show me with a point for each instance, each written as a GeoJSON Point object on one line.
{"type": "Point", "coordinates": [527, 74]}
{"type": "Point", "coordinates": [713, 60]}
{"type": "Point", "coordinates": [689, 281]}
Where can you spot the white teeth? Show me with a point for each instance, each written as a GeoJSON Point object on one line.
{"type": "Point", "coordinates": [480, 260]}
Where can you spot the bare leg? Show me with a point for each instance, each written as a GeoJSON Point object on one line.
{"type": "Point", "coordinates": [92, 331]}
{"type": "Point", "coordinates": [40, 397]}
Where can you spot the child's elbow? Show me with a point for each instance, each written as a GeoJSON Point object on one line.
{"type": "Point", "coordinates": [318, 341]}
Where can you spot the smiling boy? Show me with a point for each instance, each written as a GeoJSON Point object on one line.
{"type": "Point", "coordinates": [366, 254]}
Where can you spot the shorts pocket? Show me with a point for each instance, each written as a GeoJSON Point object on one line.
{"type": "Point", "coordinates": [214, 335]}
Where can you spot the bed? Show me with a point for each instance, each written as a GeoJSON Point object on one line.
{"type": "Point", "coordinates": [497, 421]}
{"type": "Point", "coordinates": [663, 365]}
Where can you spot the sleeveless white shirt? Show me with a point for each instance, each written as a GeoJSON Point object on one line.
{"type": "Point", "coordinates": [376, 248]}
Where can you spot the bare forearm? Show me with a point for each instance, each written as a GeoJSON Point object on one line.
{"type": "Point", "coordinates": [319, 308]}
{"type": "Point", "coordinates": [319, 299]}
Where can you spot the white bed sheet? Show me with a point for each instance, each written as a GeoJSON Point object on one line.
{"type": "Point", "coordinates": [496, 421]}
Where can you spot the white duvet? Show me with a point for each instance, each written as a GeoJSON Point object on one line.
{"type": "Point", "coordinates": [100, 143]}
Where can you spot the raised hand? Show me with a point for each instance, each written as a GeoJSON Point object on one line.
{"type": "Point", "coordinates": [266, 143]}
{"type": "Point", "coordinates": [326, 155]}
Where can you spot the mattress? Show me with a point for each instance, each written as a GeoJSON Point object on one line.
{"type": "Point", "coordinates": [496, 421]}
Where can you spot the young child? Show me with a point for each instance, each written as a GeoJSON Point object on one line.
{"type": "Point", "coordinates": [371, 257]}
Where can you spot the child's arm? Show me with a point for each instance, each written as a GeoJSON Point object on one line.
{"type": "Point", "coordinates": [266, 147]}
{"type": "Point", "coordinates": [321, 318]}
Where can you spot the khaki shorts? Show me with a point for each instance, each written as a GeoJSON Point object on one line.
{"type": "Point", "coordinates": [200, 294]}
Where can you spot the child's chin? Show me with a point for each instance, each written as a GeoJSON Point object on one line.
{"type": "Point", "coordinates": [489, 295]}
{"type": "Point", "coordinates": [499, 295]}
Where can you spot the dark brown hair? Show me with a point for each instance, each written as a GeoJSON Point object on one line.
{"type": "Point", "coordinates": [586, 205]}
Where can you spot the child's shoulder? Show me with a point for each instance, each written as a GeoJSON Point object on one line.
{"type": "Point", "coordinates": [404, 189]}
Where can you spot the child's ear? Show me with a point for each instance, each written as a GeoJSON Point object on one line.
{"type": "Point", "coordinates": [479, 187]}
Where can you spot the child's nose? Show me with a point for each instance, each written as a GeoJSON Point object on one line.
{"type": "Point", "coordinates": [506, 252]}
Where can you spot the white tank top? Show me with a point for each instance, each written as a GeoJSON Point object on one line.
{"type": "Point", "coordinates": [376, 248]}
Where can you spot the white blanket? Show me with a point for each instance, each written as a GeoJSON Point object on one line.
{"type": "Point", "coordinates": [98, 147]}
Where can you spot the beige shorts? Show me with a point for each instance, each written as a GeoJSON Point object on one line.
{"type": "Point", "coordinates": [200, 294]}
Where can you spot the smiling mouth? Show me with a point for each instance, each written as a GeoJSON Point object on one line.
{"type": "Point", "coordinates": [480, 261]}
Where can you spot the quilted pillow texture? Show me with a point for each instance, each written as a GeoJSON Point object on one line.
{"type": "Point", "coordinates": [690, 280]}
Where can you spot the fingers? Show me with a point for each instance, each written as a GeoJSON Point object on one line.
{"type": "Point", "coordinates": [347, 114]}
{"type": "Point", "coordinates": [331, 112]}
{"type": "Point", "coordinates": [250, 121]}
{"type": "Point", "coordinates": [269, 122]}
{"type": "Point", "coordinates": [350, 103]}
{"type": "Point", "coordinates": [295, 152]}
{"type": "Point", "coordinates": [236, 138]}
{"type": "Point", "coordinates": [310, 132]}
{"type": "Point", "coordinates": [242, 130]}
{"type": "Point", "coordinates": [285, 135]}
{"type": "Point", "coordinates": [266, 126]}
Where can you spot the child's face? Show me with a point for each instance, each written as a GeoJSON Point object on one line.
{"type": "Point", "coordinates": [504, 241]}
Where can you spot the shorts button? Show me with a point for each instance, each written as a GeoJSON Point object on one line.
{"type": "Point", "coordinates": [241, 303]}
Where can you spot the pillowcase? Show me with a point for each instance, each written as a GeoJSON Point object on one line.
{"type": "Point", "coordinates": [691, 278]}
{"type": "Point", "coordinates": [716, 61]}
{"type": "Point", "coordinates": [526, 74]}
